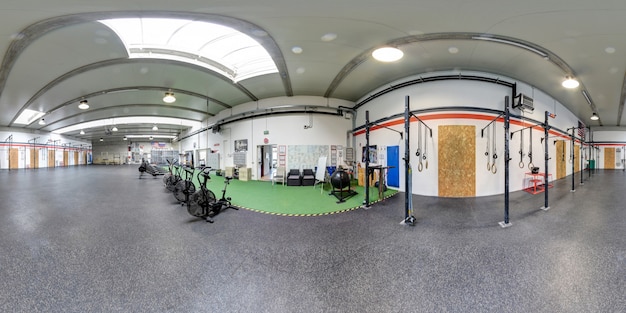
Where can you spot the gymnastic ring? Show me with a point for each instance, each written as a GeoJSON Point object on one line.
{"type": "Point", "coordinates": [424, 156]}
{"type": "Point", "coordinates": [495, 156]}
{"type": "Point", "coordinates": [426, 164]}
{"type": "Point", "coordinates": [521, 164]}
{"type": "Point", "coordinates": [531, 165]}
{"type": "Point", "coordinates": [494, 169]}
{"type": "Point", "coordinates": [417, 153]}
{"type": "Point", "coordinates": [488, 166]}
{"type": "Point", "coordinates": [420, 166]}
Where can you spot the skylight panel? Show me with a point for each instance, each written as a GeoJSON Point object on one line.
{"type": "Point", "coordinates": [222, 49]}
{"type": "Point", "coordinates": [28, 116]}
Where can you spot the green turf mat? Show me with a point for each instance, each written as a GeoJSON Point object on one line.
{"type": "Point", "coordinates": [262, 196]}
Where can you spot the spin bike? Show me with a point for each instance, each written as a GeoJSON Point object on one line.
{"type": "Point", "coordinates": [203, 202]}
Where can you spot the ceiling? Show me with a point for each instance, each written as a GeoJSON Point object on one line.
{"type": "Point", "coordinates": [56, 54]}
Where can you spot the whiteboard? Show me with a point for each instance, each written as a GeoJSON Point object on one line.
{"type": "Point", "coordinates": [320, 174]}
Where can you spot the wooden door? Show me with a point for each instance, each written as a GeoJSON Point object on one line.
{"type": "Point", "coordinates": [457, 161]}
{"type": "Point", "coordinates": [66, 158]}
{"type": "Point", "coordinates": [75, 157]}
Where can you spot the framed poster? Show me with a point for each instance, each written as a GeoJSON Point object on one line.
{"type": "Point", "coordinates": [241, 145]}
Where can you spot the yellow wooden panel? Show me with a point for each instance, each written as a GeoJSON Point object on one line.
{"type": "Point", "coordinates": [561, 159]}
{"type": "Point", "coordinates": [75, 157]}
{"type": "Point", "coordinates": [457, 160]}
{"type": "Point", "coordinates": [65, 158]}
{"type": "Point", "coordinates": [609, 158]}
{"type": "Point", "coordinates": [577, 159]}
{"type": "Point", "coordinates": [14, 158]}
{"type": "Point", "coordinates": [51, 158]}
{"type": "Point", "coordinates": [34, 158]}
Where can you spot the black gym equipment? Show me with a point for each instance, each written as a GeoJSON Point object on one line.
{"type": "Point", "coordinates": [146, 167]}
{"type": "Point", "coordinates": [170, 184]}
{"type": "Point", "coordinates": [203, 202]}
{"type": "Point", "coordinates": [368, 171]}
{"type": "Point", "coordinates": [170, 171]}
{"type": "Point", "coordinates": [185, 187]}
{"type": "Point", "coordinates": [340, 181]}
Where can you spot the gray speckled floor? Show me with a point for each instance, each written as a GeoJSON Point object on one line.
{"type": "Point", "coordinates": [97, 239]}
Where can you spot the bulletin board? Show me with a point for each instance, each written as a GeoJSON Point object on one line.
{"type": "Point", "coordinates": [609, 158]}
{"type": "Point", "coordinates": [457, 160]}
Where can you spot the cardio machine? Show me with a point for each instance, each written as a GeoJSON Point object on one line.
{"type": "Point", "coordinates": [203, 202]}
{"type": "Point", "coordinates": [185, 188]}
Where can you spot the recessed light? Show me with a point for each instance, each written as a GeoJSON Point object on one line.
{"type": "Point", "coordinates": [453, 50]}
{"type": "Point", "coordinates": [296, 50]}
{"type": "Point", "coordinates": [609, 50]}
{"type": "Point", "coordinates": [329, 37]}
{"type": "Point", "coordinates": [387, 54]}
{"type": "Point", "coordinates": [300, 70]}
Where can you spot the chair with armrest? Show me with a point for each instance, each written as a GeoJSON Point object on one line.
{"type": "Point", "coordinates": [308, 177]}
{"type": "Point", "coordinates": [294, 178]}
{"type": "Point", "coordinates": [279, 175]}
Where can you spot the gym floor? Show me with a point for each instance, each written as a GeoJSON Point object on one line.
{"type": "Point", "coordinates": [98, 239]}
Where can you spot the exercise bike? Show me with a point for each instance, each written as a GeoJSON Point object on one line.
{"type": "Point", "coordinates": [173, 179]}
{"type": "Point", "coordinates": [170, 172]}
{"type": "Point", "coordinates": [185, 188]}
{"type": "Point", "coordinates": [203, 202]}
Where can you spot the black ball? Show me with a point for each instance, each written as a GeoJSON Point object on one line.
{"type": "Point", "coordinates": [340, 180]}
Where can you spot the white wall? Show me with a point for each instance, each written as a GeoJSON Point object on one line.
{"type": "Point", "coordinates": [463, 93]}
{"type": "Point", "coordinates": [284, 129]}
{"type": "Point", "coordinates": [23, 140]}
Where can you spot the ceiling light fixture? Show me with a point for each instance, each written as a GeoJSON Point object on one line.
{"type": "Point", "coordinates": [594, 117]}
{"type": "Point", "coordinates": [329, 37]}
{"type": "Point", "coordinates": [387, 54]}
{"type": "Point", "coordinates": [83, 105]}
{"type": "Point", "coordinates": [42, 122]}
{"type": "Point", "coordinates": [114, 128]}
{"type": "Point", "coordinates": [82, 132]}
{"type": "Point", "coordinates": [512, 43]}
{"type": "Point", "coordinates": [150, 137]}
{"type": "Point", "coordinates": [570, 83]}
{"type": "Point", "coordinates": [125, 138]}
{"type": "Point", "coordinates": [155, 127]}
{"type": "Point", "coordinates": [169, 97]}
{"type": "Point", "coordinates": [101, 139]}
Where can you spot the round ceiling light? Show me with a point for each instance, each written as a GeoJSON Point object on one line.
{"type": "Point", "coordinates": [387, 54]}
{"type": "Point", "coordinates": [83, 105]}
{"type": "Point", "coordinates": [570, 83]}
{"type": "Point", "coordinates": [169, 97]}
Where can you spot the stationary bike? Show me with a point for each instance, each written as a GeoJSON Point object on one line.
{"type": "Point", "coordinates": [185, 188]}
{"type": "Point", "coordinates": [203, 202]}
{"type": "Point", "coordinates": [173, 179]}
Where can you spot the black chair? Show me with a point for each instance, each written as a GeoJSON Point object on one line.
{"type": "Point", "coordinates": [294, 178]}
{"type": "Point", "coordinates": [308, 177]}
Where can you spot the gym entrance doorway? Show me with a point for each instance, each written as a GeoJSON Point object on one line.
{"type": "Point", "coordinates": [267, 159]}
